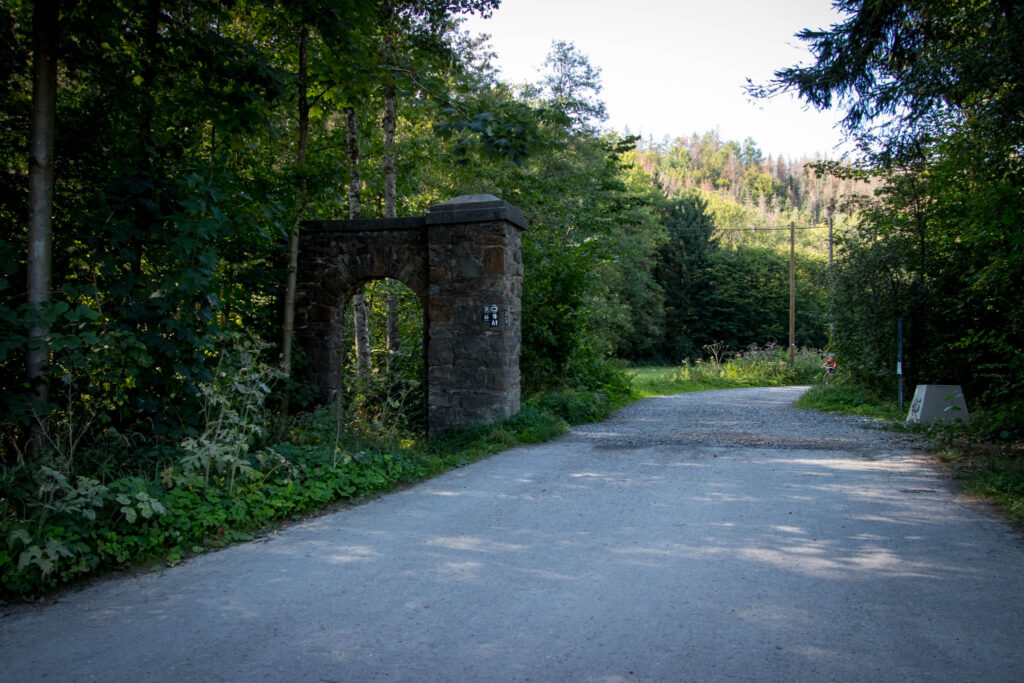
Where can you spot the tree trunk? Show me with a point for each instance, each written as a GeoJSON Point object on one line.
{"type": "Point", "coordinates": [359, 315]}
{"type": "Point", "coordinates": [359, 318]}
{"type": "Point", "coordinates": [147, 215]}
{"type": "Point", "coordinates": [390, 119]}
{"type": "Point", "coordinates": [394, 340]}
{"type": "Point", "coordinates": [390, 172]}
{"type": "Point", "coordinates": [390, 200]}
{"type": "Point", "coordinates": [40, 199]}
{"type": "Point", "coordinates": [288, 325]}
{"type": "Point", "coordinates": [352, 144]}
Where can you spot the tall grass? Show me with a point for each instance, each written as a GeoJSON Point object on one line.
{"type": "Point", "coordinates": [998, 477]}
{"type": "Point", "coordinates": [757, 366]}
{"type": "Point", "coordinates": [849, 399]}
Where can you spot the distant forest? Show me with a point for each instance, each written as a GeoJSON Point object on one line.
{"type": "Point", "coordinates": [747, 189]}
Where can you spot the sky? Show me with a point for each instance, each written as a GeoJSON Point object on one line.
{"type": "Point", "coordinates": [677, 68]}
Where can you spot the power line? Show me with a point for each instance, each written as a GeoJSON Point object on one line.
{"type": "Point", "coordinates": [797, 227]}
{"type": "Point", "coordinates": [807, 227]}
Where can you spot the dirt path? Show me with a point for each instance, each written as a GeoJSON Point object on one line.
{"type": "Point", "coordinates": [700, 537]}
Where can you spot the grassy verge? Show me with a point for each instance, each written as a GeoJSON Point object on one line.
{"type": "Point", "coordinates": [995, 473]}
{"type": "Point", "coordinates": [755, 367]}
{"type": "Point", "coordinates": [661, 380]}
{"type": "Point", "coordinates": [987, 456]}
{"type": "Point", "coordinates": [60, 530]}
{"type": "Point", "coordinates": [848, 399]}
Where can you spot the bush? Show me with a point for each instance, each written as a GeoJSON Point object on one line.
{"type": "Point", "coordinates": [756, 366]}
{"type": "Point", "coordinates": [849, 398]}
{"type": "Point", "coordinates": [59, 529]}
{"type": "Point", "coordinates": [997, 476]}
{"type": "Point", "coordinates": [1000, 423]}
{"type": "Point", "coordinates": [573, 406]}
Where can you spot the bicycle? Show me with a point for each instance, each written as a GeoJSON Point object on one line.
{"type": "Point", "coordinates": [830, 367]}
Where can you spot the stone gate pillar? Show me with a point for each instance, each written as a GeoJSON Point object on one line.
{"type": "Point", "coordinates": [464, 261]}
{"type": "Point", "coordinates": [473, 333]}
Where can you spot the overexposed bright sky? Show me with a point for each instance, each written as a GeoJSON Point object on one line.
{"type": "Point", "coordinates": [676, 68]}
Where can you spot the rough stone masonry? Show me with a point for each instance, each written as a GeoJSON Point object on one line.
{"type": "Point", "coordinates": [464, 262]}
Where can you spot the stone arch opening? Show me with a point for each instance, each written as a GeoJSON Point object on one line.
{"type": "Point", "coordinates": [464, 262]}
{"type": "Point", "coordinates": [385, 372]}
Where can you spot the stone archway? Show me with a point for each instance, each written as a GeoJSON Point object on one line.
{"type": "Point", "coordinates": [464, 261]}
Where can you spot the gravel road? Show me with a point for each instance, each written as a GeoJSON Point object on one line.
{"type": "Point", "coordinates": [721, 536]}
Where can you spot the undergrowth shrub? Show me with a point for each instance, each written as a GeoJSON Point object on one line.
{"type": "Point", "coordinates": [997, 476]}
{"type": "Point", "coordinates": [232, 415]}
{"type": "Point", "coordinates": [574, 406]}
{"type": "Point", "coordinates": [388, 398]}
{"type": "Point", "coordinates": [226, 485]}
{"type": "Point", "coordinates": [770, 364]}
{"type": "Point", "coordinates": [849, 398]}
{"type": "Point", "coordinates": [1003, 423]}
{"type": "Point", "coordinates": [755, 366]}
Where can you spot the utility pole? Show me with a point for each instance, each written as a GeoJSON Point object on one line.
{"type": "Point", "coordinates": [899, 361]}
{"type": "Point", "coordinates": [831, 269]}
{"type": "Point", "coordinates": [792, 294]}
{"type": "Point", "coordinates": [39, 261]}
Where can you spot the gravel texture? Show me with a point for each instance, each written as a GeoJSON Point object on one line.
{"type": "Point", "coordinates": [757, 418]}
{"type": "Point", "coordinates": [722, 536]}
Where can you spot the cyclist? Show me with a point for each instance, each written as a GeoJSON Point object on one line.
{"type": "Point", "coordinates": [830, 367]}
